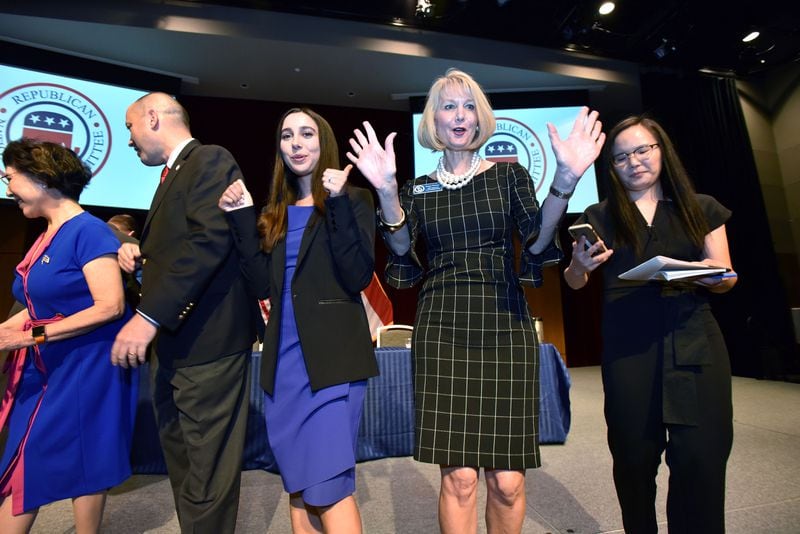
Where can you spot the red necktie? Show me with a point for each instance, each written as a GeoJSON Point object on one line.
{"type": "Point", "coordinates": [164, 173]}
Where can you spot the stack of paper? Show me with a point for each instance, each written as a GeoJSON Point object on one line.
{"type": "Point", "coordinates": [668, 269]}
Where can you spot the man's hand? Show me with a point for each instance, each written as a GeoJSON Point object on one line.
{"type": "Point", "coordinates": [129, 257]}
{"type": "Point", "coordinates": [130, 347]}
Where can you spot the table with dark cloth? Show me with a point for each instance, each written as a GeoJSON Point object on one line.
{"type": "Point", "coordinates": [387, 424]}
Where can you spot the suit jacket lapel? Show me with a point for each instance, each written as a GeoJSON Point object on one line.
{"type": "Point", "coordinates": [162, 189]}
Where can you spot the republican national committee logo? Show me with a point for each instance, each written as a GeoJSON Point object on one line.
{"type": "Point", "coordinates": [56, 113]}
{"type": "Point", "coordinates": [514, 141]}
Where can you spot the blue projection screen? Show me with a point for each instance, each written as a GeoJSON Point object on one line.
{"type": "Point", "coordinates": [89, 118]}
{"type": "Point", "coordinates": [521, 136]}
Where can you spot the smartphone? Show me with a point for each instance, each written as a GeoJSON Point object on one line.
{"type": "Point", "coordinates": [586, 230]}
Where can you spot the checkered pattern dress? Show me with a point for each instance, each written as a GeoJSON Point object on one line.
{"type": "Point", "coordinates": [475, 350]}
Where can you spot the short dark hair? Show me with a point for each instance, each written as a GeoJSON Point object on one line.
{"type": "Point", "coordinates": [124, 223]}
{"type": "Point", "coordinates": [54, 165]}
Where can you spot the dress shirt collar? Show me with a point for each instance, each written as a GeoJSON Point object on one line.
{"type": "Point", "coordinates": [177, 150]}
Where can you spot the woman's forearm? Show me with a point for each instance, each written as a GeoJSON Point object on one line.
{"type": "Point", "coordinates": [391, 213]}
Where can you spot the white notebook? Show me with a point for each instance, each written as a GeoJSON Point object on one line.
{"type": "Point", "coordinates": [668, 269]}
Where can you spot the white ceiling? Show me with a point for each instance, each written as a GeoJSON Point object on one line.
{"type": "Point", "coordinates": [256, 54]}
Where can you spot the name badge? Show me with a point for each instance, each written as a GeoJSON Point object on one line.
{"type": "Point", "coordinates": [427, 188]}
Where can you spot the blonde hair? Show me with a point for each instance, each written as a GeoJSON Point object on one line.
{"type": "Point", "coordinates": [455, 79]}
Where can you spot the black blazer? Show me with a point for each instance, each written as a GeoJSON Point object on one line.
{"type": "Point", "coordinates": [191, 282]}
{"type": "Point", "coordinates": [335, 262]}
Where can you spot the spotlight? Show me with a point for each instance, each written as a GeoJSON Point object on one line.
{"type": "Point", "coordinates": [424, 8]}
{"type": "Point", "coordinates": [606, 8]}
{"type": "Point", "coordinates": [752, 36]}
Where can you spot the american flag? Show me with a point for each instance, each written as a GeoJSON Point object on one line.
{"type": "Point", "coordinates": [376, 304]}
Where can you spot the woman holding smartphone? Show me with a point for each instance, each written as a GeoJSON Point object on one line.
{"type": "Point", "coordinates": [665, 367]}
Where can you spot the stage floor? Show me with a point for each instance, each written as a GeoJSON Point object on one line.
{"type": "Point", "coordinates": [572, 492]}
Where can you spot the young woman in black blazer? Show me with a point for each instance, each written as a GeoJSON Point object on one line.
{"type": "Point", "coordinates": [311, 252]}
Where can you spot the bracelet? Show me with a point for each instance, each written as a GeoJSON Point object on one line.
{"type": "Point", "coordinates": [391, 227]}
{"type": "Point", "coordinates": [560, 194]}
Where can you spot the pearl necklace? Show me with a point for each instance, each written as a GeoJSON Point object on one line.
{"type": "Point", "coordinates": [457, 181]}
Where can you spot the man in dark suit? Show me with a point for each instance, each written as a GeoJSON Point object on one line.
{"type": "Point", "coordinates": [197, 312]}
{"type": "Point", "coordinates": [124, 227]}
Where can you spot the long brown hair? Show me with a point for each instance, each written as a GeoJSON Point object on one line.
{"type": "Point", "coordinates": [272, 222]}
{"type": "Point", "coordinates": [675, 184]}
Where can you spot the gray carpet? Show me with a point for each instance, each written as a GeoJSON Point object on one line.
{"type": "Point", "coordinates": [571, 493]}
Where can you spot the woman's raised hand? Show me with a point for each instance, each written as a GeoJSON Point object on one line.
{"type": "Point", "coordinates": [376, 162]}
{"type": "Point", "coordinates": [236, 196]}
{"type": "Point", "coordinates": [579, 150]}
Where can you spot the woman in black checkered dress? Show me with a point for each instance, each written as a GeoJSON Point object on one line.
{"type": "Point", "coordinates": [474, 346]}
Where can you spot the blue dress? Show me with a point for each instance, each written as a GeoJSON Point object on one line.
{"type": "Point", "coordinates": [79, 440]}
{"type": "Point", "coordinates": [312, 434]}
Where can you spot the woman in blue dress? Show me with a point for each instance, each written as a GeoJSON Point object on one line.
{"type": "Point", "coordinates": [68, 410]}
{"type": "Point", "coordinates": [311, 252]}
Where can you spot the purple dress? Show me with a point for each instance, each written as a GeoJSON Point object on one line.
{"type": "Point", "coordinates": [78, 441]}
{"type": "Point", "coordinates": [312, 434]}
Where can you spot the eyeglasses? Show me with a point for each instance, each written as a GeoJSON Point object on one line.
{"type": "Point", "coordinates": [6, 178]}
{"type": "Point", "coordinates": [642, 153]}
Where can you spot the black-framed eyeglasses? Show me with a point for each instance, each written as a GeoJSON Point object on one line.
{"type": "Point", "coordinates": [6, 178]}
{"type": "Point", "coordinates": [641, 152]}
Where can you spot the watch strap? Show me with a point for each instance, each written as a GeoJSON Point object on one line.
{"type": "Point", "coordinates": [39, 334]}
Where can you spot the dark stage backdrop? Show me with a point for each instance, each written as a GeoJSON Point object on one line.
{"type": "Point", "coordinates": [703, 115]}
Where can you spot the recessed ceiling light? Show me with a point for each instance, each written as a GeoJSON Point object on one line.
{"type": "Point", "coordinates": [606, 8]}
{"type": "Point", "coordinates": [297, 69]}
{"type": "Point", "coordinates": [752, 36]}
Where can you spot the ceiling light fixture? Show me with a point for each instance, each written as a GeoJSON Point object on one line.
{"type": "Point", "coordinates": [752, 36]}
{"type": "Point", "coordinates": [606, 8]}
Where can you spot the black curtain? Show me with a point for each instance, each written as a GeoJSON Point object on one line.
{"type": "Point", "coordinates": [703, 115]}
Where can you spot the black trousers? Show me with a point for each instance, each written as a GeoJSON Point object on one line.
{"type": "Point", "coordinates": [697, 455]}
{"type": "Point", "coordinates": [201, 412]}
